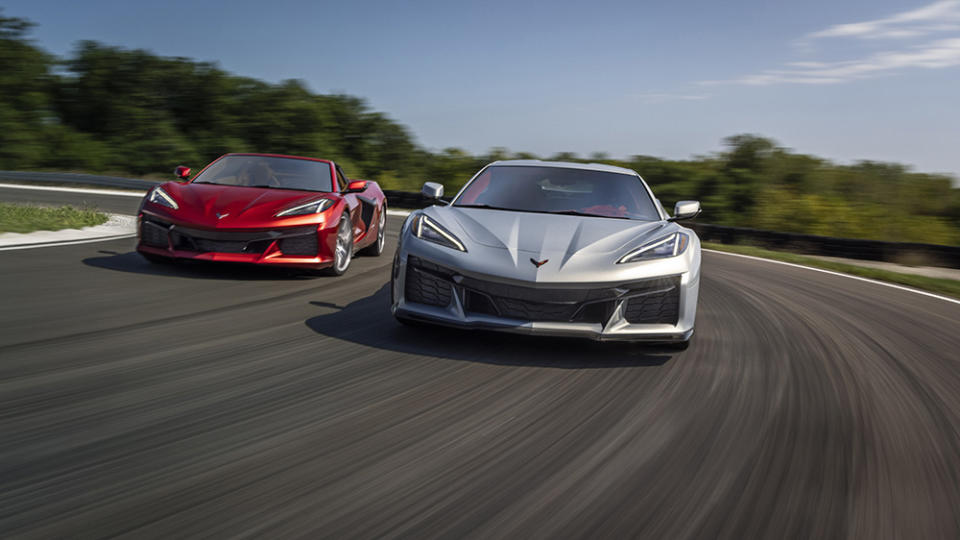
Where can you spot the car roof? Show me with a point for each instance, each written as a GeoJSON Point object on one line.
{"type": "Point", "coordinates": [565, 165]}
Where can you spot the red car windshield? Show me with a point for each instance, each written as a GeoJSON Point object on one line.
{"type": "Point", "coordinates": [560, 190]}
{"type": "Point", "coordinates": [268, 172]}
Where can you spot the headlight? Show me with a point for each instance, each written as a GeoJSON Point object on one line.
{"type": "Point", "coordinates": [431, 231]}
{"type": "Point", "coordinates": [312, 207]}
{"type": "Point", "coordinates": [159, 196]}
{"type": "Point", "coordinates": [670, 246]}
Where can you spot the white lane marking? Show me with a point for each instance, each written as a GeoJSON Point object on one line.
{"type": "Point", "coordinates": [398, 212]}
{"type": "Point", "coordinates": [858, 278]}
{"type": "Point", "coordinates": [70, 243]}
{"type": "Point", "coordinates": [76, 190]}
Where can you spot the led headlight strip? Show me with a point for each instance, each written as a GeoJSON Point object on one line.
{"type": "Point", "coordinates": [159, 196]}
{"type": "Point", "coordinates": [669, 246]}
{"type": "Point", "coordinates": [312, 207]}
{"type": "Point", "coordinates": [431, 231]}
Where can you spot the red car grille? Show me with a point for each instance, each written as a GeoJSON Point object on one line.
{"type": "Point", "coordinates": [292, 241]}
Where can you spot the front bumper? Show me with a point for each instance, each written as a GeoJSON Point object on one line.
{"type": "Point", "coordinates": [656, 309]}
{"type": "Point", "coordinates": [294, 247]}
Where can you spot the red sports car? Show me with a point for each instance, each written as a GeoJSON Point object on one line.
{"type": "Point", "coordinates": [264, 209]}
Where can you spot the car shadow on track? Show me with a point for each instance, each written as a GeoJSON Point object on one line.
{"type": "Point", "coordinates": [133, 262]}
{"type": "Point", "coordinates": [368, 322]}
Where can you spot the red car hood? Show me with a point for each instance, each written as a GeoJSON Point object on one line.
{"type": "Point", "coordinates": [231, 207]}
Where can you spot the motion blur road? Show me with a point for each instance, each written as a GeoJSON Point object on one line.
{"type": "Point", "coordinates": [153, 401]}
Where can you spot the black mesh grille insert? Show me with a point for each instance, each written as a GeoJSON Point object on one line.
{"type": "Point", "coordinates": [479, 303]}
{"type": "Point", "coordinates": [153, 234]}
{"type": "Point", "coordinates": [536, 311]}
{"type": "Point", "coordinates": [652, 301]}
{"type": "Point", "coordinates": [423, 286]}
{"type": "Point", "coordinates": [293, 241]}
{"type": "Point", "coordinates": [300, 245]}
{"type": "Point", "coordinates": [661, 307]}
{"type": "Point", "coordinates": [220, 246]}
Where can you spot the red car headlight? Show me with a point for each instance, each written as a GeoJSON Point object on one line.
{"type": "Point", "coordinates": [312, 207]}
{"type": "Point", "coordinates": [158, 196]}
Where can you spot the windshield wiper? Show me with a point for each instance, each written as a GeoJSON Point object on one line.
{"type": "Point", "coordinates": [489, 207]}
{"type": "Point", "coordinates": [576, 213]}
{"type": "Point", "coordinates": [268, 186]}
{"type": "Point", "coordinates": [562, 212]}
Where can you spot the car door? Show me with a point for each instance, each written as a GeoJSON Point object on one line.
{"type": "Point", "coordinates": [353, 205]}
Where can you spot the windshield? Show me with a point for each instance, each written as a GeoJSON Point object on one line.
{"type": "Point", "coordinates": [268, 172]}
{"type": "Point", "coordinates": [559, 190]}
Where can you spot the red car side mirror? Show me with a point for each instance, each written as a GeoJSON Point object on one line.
{"type": "Point", "coordinates": [182, 172]}
{"type": "Point", "coordinates": [357, 186]}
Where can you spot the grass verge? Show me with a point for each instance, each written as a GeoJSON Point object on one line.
{"type": "Point", "coordinates": [22, 218]}
{"type": "Point", "coordinates": [947, 287]}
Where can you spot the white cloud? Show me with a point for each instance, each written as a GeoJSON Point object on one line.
{"type": "Point", "coordinates": [908, 27]}
{"type": "Point", "coordinates": [936, 17]}
{"type": "Point", "coordinates": [938, 54]}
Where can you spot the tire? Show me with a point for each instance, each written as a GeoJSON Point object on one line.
{"type": "Point", "coordinates": [343, 250]}
{"type": "Point", "coordinates": [376, 248]}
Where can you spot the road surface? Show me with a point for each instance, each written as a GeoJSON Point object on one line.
{"type": "Point", "coordinates": [154, 401]}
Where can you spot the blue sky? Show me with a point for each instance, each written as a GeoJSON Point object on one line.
{"type": "Point", "coordinates": [846, 80]}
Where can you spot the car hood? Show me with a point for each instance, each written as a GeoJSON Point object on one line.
{"type": "Point", "coordinates": [237, 206]}
{"type": "Point", "coordinates": [575, 241]}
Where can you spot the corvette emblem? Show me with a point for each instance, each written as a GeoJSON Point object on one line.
{"type": "Point", "coordinates": [537, 263]}
{"type": "Point", "coordinates": [221, 216]}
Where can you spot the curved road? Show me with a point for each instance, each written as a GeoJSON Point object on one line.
{"type": "Point", "coordinates": [150, 401]}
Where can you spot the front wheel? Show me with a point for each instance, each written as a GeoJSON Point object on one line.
{"type": "Point", "coordinates": [343, 250]}
{"type": "Point", "coordinates": [376, 249]}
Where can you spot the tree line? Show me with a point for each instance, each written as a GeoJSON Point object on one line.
{"type": "Point", "coordinates": [114, 110]}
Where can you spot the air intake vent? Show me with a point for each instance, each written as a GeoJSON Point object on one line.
{"type": "Point", "coordinates": [300, 245]}
{"type": "Point", "coordinates": [424, 288]}
{"type": "Point", "coordinates": [220, 246]}
{"type": "Point", "coordinates": [153, 234]}
{"type": "Point", "coordinates": [661, 307]}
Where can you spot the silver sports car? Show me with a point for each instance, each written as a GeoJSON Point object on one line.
{"type": "Point", "coordinates": [551, 248]}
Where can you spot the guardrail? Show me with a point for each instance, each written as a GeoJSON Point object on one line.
{"type": "Point", "coordinates": [79, 179]}
{"type": "Point", "coordinates": [403, 199]}
{"type": "Point", "coordinates": [849, 248]}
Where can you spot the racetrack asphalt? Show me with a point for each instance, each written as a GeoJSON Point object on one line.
{"type": "Point", "coordinates": [196, 400]}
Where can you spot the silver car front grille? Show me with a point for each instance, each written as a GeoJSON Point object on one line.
{"type": "Point", "coordinates": [653, 301]}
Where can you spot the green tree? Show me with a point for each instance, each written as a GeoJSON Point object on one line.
{"type": "Point", "coordinates": [129, 111]}
{"type": "Point", "coordinates": [25, 85]}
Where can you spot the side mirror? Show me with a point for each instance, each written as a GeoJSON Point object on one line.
{"type": "Point", "coordinates": [357, 186]}
{"type": "Point", "coordinates": [685, 210]}
{"type": "Point", "coordinates": [182, 173]}
{"type": "Point", "coordinates": [432, 190]}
